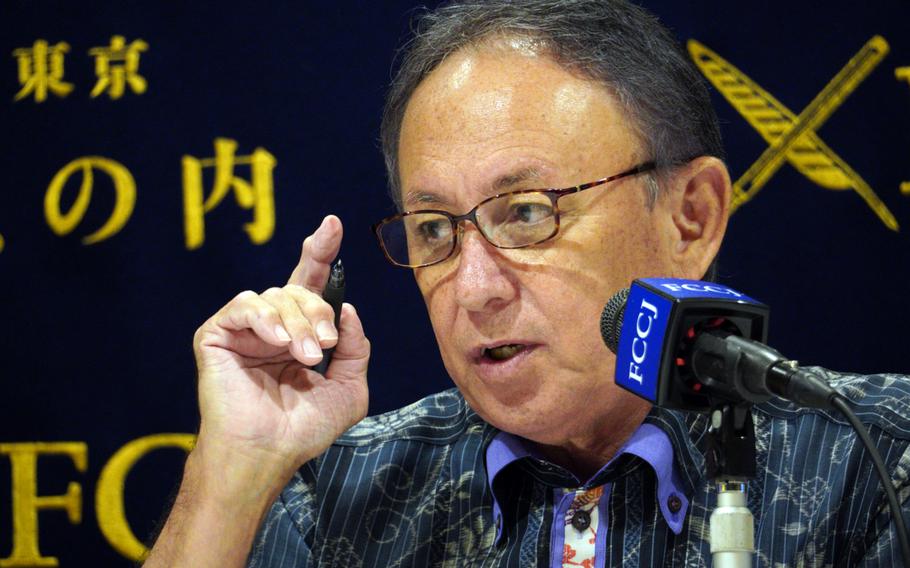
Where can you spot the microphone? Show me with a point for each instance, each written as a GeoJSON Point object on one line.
{"type": "Point", "coordinates": [700, 346]}
{"type": "Point", "coordinates": [691, 345]}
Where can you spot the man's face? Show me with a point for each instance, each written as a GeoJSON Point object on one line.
{"type": "Point", "coordinates": [503, 118]}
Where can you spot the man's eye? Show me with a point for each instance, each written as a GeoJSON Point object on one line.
{"type": "Point", "coordinates": [529, 212]}
{"type": "Point", "coordinates": [431, 231]}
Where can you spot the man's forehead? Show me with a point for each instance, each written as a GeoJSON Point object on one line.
{"type": "Point", "coordinates": [482, 121]}
{"type": "Point", "coordinates": [482, 79]}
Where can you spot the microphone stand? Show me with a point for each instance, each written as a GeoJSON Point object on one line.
{"type": "Point", "coordinates": [731, 464]}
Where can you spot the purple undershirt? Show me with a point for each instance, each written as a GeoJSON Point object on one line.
{"type": "Point", "coordinates": [648, 442]}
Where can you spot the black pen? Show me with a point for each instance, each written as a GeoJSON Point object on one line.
{"type": "Point", "coordinates": [334, 295]}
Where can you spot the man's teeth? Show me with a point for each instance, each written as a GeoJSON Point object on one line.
{"type": "Point", "coordinates": [503, 352]}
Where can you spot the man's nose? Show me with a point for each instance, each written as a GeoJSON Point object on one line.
{"type": "Point", "coordinates": [482, 283]}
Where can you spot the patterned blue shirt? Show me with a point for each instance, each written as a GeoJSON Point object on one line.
{"type": "Point", "coordinates": [409, 488]}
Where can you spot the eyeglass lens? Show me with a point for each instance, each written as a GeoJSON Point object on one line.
{"type": "Point", "coordinates": [512, 220]}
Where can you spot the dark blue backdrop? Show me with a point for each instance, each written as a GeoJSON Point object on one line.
{"type": "Point", "coordinates": [96, 344]}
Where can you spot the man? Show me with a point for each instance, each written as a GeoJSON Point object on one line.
{"type": "Point", "coordinates": [537, 459]}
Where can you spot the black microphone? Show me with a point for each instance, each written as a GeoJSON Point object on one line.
{"type": "Point", "coordinates": [700, 346]}
{"type": "Point", "coordinates": [692, 345]}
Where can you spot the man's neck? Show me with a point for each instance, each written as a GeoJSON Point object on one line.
{"type": "Point", "coordinates": [587, 453]}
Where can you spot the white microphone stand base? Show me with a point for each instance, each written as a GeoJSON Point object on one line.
{"type": "Point", "coordinates": [732, 527]}
{"type": "Point", "coordinates": [730, 462]}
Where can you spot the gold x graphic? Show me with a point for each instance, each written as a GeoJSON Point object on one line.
{"type": "Point", "coordinates": [793, 138]}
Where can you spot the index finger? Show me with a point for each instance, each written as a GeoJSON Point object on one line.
{"type": "Point", "coordinates": [317, 254]}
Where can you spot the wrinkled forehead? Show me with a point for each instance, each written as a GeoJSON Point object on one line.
{"type": "Point", "coordinates": [499, 97]}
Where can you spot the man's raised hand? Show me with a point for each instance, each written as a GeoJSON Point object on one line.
{"type": "Point", "coordinates": [260, 402]}
{"type": "Point", "coordinates": [264, 411]}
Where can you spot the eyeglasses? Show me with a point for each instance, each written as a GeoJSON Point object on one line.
{"type": "Point", "coordinates": [512, 220]}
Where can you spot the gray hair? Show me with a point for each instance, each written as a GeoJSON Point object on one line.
{"type": "Point", "coordinates": [616, 43]}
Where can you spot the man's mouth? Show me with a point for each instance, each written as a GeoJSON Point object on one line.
{"type": "Point", "coordinates": [502, 352]}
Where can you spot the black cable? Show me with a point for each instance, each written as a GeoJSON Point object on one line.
{"type": "Point", "coordinates": [840, 403]}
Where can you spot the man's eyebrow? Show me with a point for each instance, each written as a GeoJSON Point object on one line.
{"type": "Point", "coordinates": [501, 184]}
{"type": "Point", "coordinates": [417, 197]}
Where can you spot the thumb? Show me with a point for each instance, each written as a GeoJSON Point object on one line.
{"type": "Point", "coordinates": [352, 353]}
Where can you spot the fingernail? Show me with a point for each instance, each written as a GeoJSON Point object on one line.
{"type": "Point", "coordinates": [311, 348]}
{"type": "Point", "coordinates": [325, 330]}
{"type": "Point", "coordinates": [282, 333]}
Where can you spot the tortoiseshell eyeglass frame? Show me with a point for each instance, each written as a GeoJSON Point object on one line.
{"type": "Point", "coordinates": [552, 194]}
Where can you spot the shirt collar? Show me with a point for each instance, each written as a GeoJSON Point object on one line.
{"type": "Point", "coordinates": [663, 441]}
{"type": "Point", "coordinates": [686, 432]}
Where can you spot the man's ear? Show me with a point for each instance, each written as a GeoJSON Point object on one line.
{"type": "Point", "coordinates": [699, 203]}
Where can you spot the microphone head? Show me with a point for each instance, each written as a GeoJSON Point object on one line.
{"type": "Point", "coordinates": [611, 319]}
{"type": "Point", "coordinates": [654, 348]}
